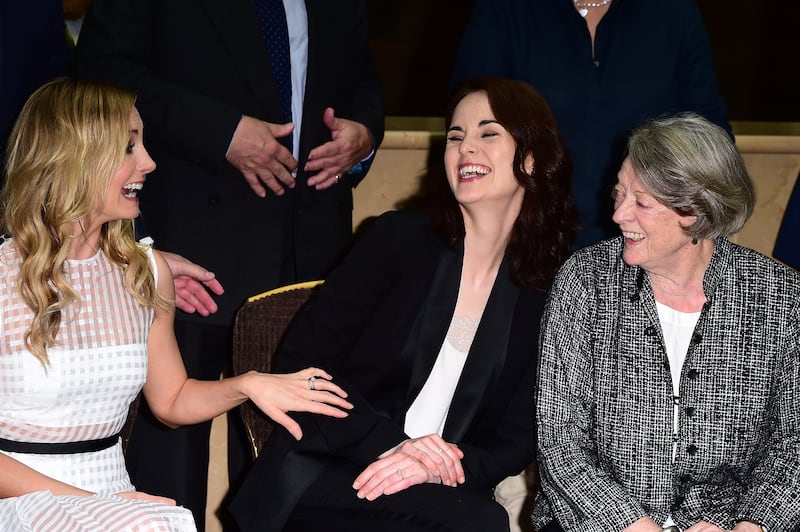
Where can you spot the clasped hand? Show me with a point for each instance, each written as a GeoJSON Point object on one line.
{"type": "Point", "coordinates": [415, 461]}
{"type": "Point", "coordinates": [645, 524]}
{"type": "Point", "coordinates": [263, 161]}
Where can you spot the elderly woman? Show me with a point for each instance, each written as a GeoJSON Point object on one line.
{"type": "Point", "coordinates": [431, 325]}
{"type": "Point", "coordinates": [670, 377]}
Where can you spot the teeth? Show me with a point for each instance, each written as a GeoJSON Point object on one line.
{"type": "Point", "coordinates": [632, 236]}
{"type": "Point", "coordinates": [131, 190]}
{"type": "Point", "coordinates": [472, 170]}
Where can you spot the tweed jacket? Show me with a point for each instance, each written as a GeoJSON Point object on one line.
{"type": "Point", "coordinates": [605, 400]}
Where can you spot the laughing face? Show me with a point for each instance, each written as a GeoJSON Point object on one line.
{"type": "Point", "coordinates": [479, 156]}
{"type": "Point", "coordinates": [122, 198]}
{"type": "Point", "coordinates": [654, 234]}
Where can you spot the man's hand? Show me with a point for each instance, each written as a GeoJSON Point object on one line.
{"type": "Point", "coordinates": [190, 279]}
{"type": "Point", "coordinates": [261, 159]}
{"type": "Point", "coordinates": [350, 143]}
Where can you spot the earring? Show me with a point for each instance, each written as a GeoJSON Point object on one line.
{"type": "Point", "coordinates": [694, 241]}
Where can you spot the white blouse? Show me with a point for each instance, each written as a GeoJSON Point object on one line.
{"type": "Point", "coordinates": [428, 413]}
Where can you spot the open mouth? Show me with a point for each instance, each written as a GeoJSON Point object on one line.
{"type": "Point", "coordinates": [131, 190]}
{"type": "Point", "coordinates": [469, 172]}
{"type": "Point", "coordinates": [636, 237]}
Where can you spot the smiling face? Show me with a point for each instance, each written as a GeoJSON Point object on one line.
{"type": "Point", "coordinates": [479, 156]}
{"type": "Point", "coordinates": [122, 200]}
{"type": "Point", "coordinates": [654, 234]}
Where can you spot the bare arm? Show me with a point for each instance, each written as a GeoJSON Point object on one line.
{"type": "Point", "coordinates": [178, 400]}
{"type": "Point", "coordinates": [18, 479]}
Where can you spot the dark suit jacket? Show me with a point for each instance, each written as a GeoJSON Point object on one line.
{"type": "Point", "coordinates": [197, 67]}
{"type": "Point", "coordinates": [787, 245]}
{"type": "Point", "coordinates": [377, 325]}
{"type": "Point", "coordinates": [33, 49]}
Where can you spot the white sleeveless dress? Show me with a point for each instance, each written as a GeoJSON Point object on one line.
{"type": "Point", "coordinates": [96, 370]}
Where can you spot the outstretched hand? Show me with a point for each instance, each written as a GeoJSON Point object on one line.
{"type": "Point", "coordinates": [276, 394]}
{"type": "Point", "coordinates": [350, 143]}
{"type": "Point", "coordinates": [191, 281]}
{"type": "Point", "coordinates": [415, 461]}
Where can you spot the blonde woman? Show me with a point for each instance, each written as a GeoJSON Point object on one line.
{"type": "Point", "coordinates": [86, 319]}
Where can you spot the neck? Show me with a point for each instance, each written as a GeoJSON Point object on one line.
{"type": "Point", "coordinates": [485, 240]}
{"type": "Point", "coordinates": [685, 277]}
{"type": "Point", "coordinates": [84, 244]}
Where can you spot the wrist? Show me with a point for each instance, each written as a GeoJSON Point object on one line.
{"type": "Point", "coordinates": [244, 384]}
{"type": "Point", "coordinates": [644, 524]}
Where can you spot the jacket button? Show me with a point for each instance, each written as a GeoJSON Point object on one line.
{"type": "Point", "coordinates": [692, 374]}
{"type": "Point", "coordinates": [685, 479]}
{"type": "Point", "coordinates": [650, 331]}
{"type": "Point", "coordinates": [692, 450]}
{"type": "Point", "coordinates": [689, 410]}
{"type": "Point", "coordinates": [214, 199]}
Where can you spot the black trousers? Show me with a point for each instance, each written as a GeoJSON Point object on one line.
{"type": "Point", "coordinates": [331, 504]}
{"type": "Point", "coordinates": [174, 462]}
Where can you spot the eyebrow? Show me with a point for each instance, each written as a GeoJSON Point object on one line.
{"type": "Point", "coordinates": [480, 124]}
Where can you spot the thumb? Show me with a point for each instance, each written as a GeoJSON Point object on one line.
{"type": "Point", "coordinates": [281, 130]}
{"type": "Point", "coordinates": [329, 118]}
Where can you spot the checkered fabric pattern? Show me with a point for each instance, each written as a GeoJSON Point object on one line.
{"type": "Point", "coordinates": [96, 370]}
{"type": "Point", "coordinates": [605, 401]}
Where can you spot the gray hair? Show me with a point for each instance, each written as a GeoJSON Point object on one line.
{"type": "Point", "coordinates": [692, 166]}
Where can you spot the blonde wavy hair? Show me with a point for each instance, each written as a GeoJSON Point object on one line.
{"type": "Point", "coordinates": [69, 140]}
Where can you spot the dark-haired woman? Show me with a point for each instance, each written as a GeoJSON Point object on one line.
{"type": "Point", "coordinates": [430, 324]}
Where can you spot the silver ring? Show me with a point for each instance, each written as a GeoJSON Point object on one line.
{"type": "Point", "coordinates": [440, 451]}
{"type": "Point", "coordinates": [311, 383]}
{"type": "Point", "coordinates": [337, 177]}
{"type": "Point", "coordinates": [400, 472]}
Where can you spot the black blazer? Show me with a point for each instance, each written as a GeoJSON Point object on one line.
{"type": "Point", "coordinates": [377, 325]}
{"type": "Point", "coordinates": [197, 67]}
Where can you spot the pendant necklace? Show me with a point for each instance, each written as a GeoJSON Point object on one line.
{"type": "Point", "coordinates": [583, 7]}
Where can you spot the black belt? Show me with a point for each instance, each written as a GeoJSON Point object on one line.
{"type": "Point", "coordinates": [70, 447]}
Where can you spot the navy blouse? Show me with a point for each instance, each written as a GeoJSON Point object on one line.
{"type": "Point", "coordinates": [651, 57]}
